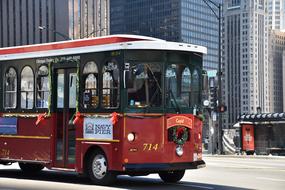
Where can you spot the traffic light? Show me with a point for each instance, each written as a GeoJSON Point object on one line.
{"type": "Point", "coordinates": [222, 108]}
{"type": "Point", "coordinates": [213, 98]}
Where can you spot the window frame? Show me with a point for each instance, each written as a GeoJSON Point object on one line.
{"type": "Point", "coordinates": [4, 88]}
{"type": "Point", "coordinates": [100, 58]}
{"type": "Point", "coordinates": [119, 93]}
{"type": "Point", "coordinates": [20, 87]}
{"type": "Point", "coordinates": [189, 92]}
{"type": "Point", "coordinates": [97, 89]}
{"type": "Point", "coordinates": [196, 92]}
{"type": "Point", "coordinates": [36, 77]}
{"type": "Point", "coordinates": [179, 89]}
{"type": "Point", "coordinates": [146, 64]}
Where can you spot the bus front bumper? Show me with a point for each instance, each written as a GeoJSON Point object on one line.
{"type": "Point", "coordinates": [157, 167]}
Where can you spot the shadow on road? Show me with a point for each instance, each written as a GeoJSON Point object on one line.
{"type": "Point", "coordinates": [123, 182]}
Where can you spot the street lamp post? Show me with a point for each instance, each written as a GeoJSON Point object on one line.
{"type": "Point", "coordinates": [93, 32]}
{"type": "Point", "coordinates": [219, 73]}
{"type": "Point", "coordinates": [54, 31]}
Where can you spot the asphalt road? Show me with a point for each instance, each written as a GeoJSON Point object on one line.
{"type": "Point", "coordinates": [220, 173]}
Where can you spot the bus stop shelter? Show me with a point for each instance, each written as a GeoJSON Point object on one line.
{"type": "Point", "coordinates": [263, 134]}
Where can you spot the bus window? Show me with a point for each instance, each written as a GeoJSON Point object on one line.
{"type": "Point", "coordinates": [195, 88]}
{"type": "Point", "coordinates": [10, 88]}
{"type": "Point", "coordinates": [111, 90]}
{"type": "Point", "coordinates": [186, 86]}
{"type": "Point", "coordinates": [90, 75]}
{"type": "Point", "coordinates": [72, 90]}
{"type": "Point", "coordinates": [42, 87]}
{"type": "Point", "coordinates": [60, 88]}
{"type": "Point", "coordinates": [144, 85]}
{"type": "Point", "coordinates": [27, 88]}
{"type": "Point", "coordinates": [178, 83]}
{"type": "Point", "coordinates": [171, 84]}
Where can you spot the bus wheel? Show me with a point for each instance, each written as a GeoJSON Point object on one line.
{"type": "Point", "coordinates": [97, 169]}
{"type": "Point", "coordinates": [31, 168]}
{"type": "Point", "coordinates": [171, 176]}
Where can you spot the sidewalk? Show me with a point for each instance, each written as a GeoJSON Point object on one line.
{"type": "Point", "coordinates": [245, 156]}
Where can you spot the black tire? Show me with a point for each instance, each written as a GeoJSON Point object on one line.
{"type": "Point", "coordinates": [98, 171]}
{"type": "Point", "coordinates": [171, 176]}
{"type": "Point", "coordinates": [31, 168]}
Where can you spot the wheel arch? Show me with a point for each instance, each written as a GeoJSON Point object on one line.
{"type": "Point", "coordinates": [88, 153]}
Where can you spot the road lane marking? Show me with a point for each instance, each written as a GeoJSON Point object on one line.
{"type": "Point", "coordinates": [270, 179]}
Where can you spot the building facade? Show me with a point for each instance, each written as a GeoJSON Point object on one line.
{"type": "Point", "coordinates": [245, 61]}
{"type": "Point", "coordinates": [24, 22]}
{"type": "Point", "coordinates": [283, 78]}
{"type": "Point", "coordinates": [88, 18]}
{"type": "Point", "coordinates": [276, 75]}
{"type": "Point", "coordinates": [276, 23]}
{"type": "Point", "coordinates": [276, 14]}
{"type": "Point", "coordinates": [188, 21]}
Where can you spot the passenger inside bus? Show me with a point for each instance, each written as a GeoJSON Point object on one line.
{"type": "Point", "coordinates": [144, 85]}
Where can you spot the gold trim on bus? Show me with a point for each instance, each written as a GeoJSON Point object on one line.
{"type": "Point", "coordinates": [108, 115]}
{"type": "Point", "coordinates": [23, 137]}
{"type": "Point", "coordinates": [23, 115]}
{"type": "Point", "coordinates": [97, 140]}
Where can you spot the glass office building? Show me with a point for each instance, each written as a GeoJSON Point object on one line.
{"type": "Point", "coordinates": [188, 21]}
{"type": "Point", "coordinates": [24, 22]}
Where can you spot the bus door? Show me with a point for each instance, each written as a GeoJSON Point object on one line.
{"type": "Point", "coordinates": [65, 110]}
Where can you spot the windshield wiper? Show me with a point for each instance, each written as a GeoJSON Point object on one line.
{"type": "Point", "coordinates": [176, 105]}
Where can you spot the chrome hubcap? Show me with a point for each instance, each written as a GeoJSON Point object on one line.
{"type": "Point", "coordinates": [99, 166]}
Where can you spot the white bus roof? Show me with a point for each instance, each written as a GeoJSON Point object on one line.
{"type": "Point", "coordinates": [99, 44]}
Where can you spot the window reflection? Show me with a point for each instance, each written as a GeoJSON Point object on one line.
{"type": "Point", "coordinates": [186, 86]}
{"type": "Point", "coordinates": [43, 92]}
{"type": "Point", "coordinates": [178, 86]}
{"type": "Point", "coordinates": [171, 85]}
{"type": "Point", "coordinates": [27, 88]}
{"type": "Point", "coordinates": [195, 87]}
{"type": "Point", "coordinates": [72, 90]}
{"type": "Point", "coordinates": [90, 73]}
{"type": "Point", "coordinates": [10, 88]}
{"type": "Point", "coordinates": [60, 88]}
{"type": "Point", "coordinates": [111, 90]}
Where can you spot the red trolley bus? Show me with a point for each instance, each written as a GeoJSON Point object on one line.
{"type": "Point", "coordinates": [105, 106]}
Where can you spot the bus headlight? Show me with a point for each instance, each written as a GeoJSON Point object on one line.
{"type": "Point", "coordinates": [131, 137]}
{"type": "Point", "coordinates": [179, 150]}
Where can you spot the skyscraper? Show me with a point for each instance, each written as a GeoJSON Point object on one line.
{"type": "Point", "coordinates": [189, 21]}
{"type": "Point", "coordinates": [276, 14]}
{"type": "Point", "coordinates": [276, 23]}
{"type": "Point", "coordinates": [25, 22]}
{"type": "Point", "coordinates": [246, 82]}
{"type": "Point", "coordinates": [277, 85]}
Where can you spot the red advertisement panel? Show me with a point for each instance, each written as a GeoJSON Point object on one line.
{"type": "Point", "coordinates": [248, 137]}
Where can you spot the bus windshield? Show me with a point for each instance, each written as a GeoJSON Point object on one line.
{"type": "Point", "coordinates": [178, 86]}
{"type": "Point", "coordinates": [171, 81]}
{"type": "Point", "coordinates": [144, 89]}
